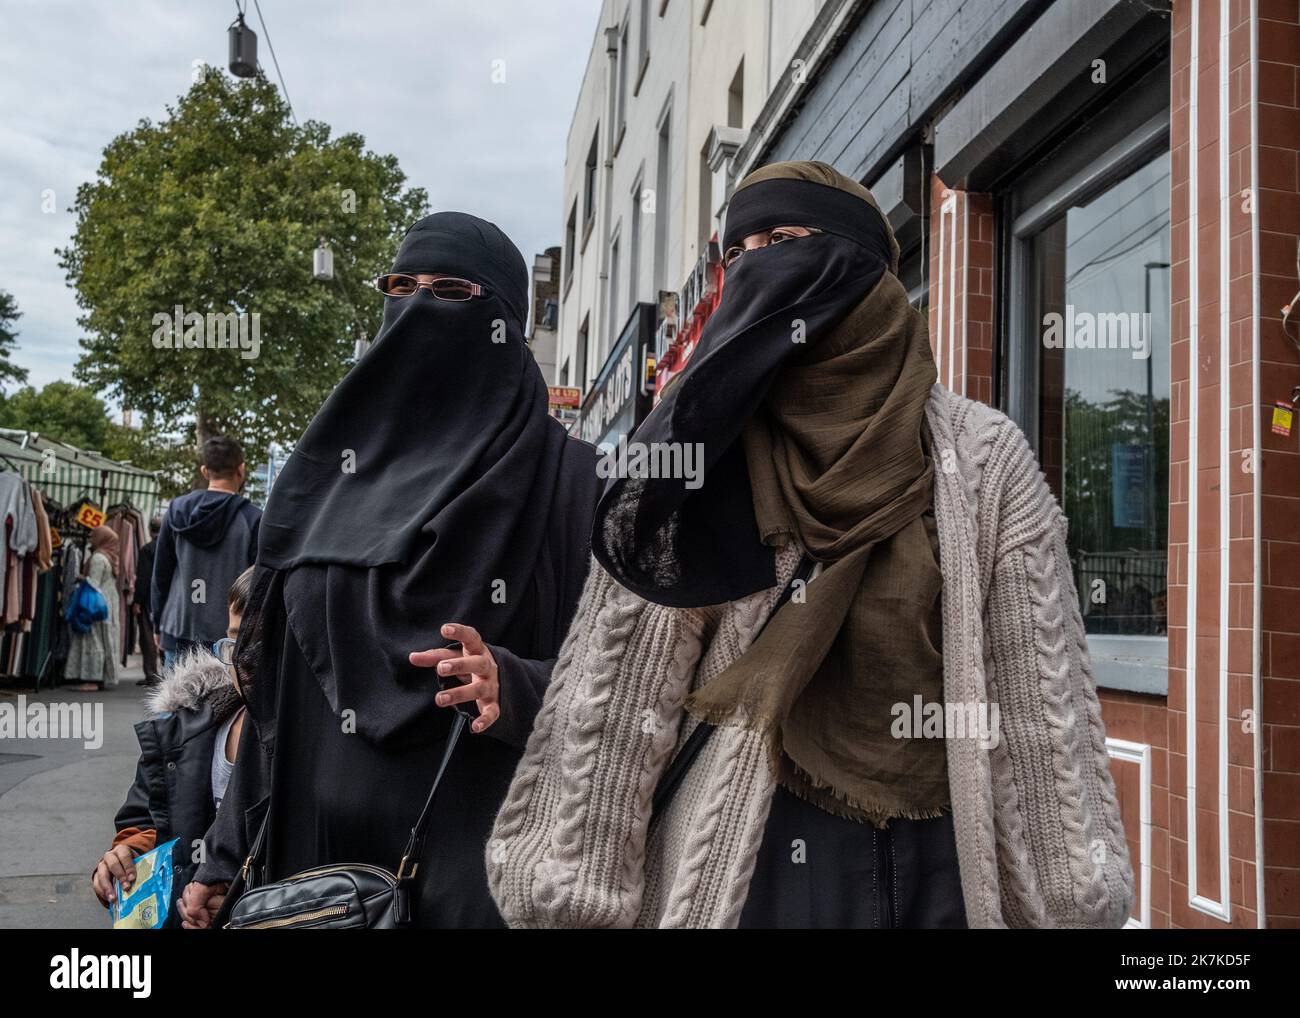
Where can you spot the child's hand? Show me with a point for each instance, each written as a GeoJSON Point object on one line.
{"type": "Point", "coordinates": [200, 903]}
{"type": "Point", "coordinates": [119, 862]}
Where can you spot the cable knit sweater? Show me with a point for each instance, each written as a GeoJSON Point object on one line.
{"type": "Point", "coordinates": [1039, 837]}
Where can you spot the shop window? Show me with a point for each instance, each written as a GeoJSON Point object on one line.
{"type": "Point", "coordinates": [1102, 304]}
{"type": "Point", "coordinates": [1087, 351]}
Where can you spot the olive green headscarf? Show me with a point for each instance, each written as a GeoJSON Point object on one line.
{"type": "Point", "coordinates": [839, 461]}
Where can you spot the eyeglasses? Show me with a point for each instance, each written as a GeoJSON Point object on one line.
{"type": "Point", "coordinates": [777, 236]}
{"type": "Point", "coordinates": [224, 649]}
{"type": "Point", "coordinates": [398, 284]}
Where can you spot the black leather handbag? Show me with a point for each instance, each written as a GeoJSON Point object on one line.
{"type": "Point", "coordinates": [337, 897]}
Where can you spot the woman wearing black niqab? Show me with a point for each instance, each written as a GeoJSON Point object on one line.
{"type": "Point", "coordinates": [432, 489]}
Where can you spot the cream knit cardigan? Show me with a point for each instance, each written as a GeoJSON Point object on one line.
{"type": "Point", "coordinates": [1039, 837]}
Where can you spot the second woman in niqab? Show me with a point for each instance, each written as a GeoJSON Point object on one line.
{"type": "Point", "coordinates": [432, 488]}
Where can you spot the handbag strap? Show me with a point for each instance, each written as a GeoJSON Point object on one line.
{"type": "Point", "coordinates": [415, 843]}
{"type": "Point", "coordinates": [248, 874]}
{"type": "Point", "coordinates": [681, 763]}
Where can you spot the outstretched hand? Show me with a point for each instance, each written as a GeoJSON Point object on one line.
{"type": "Point", "coordinates": [472, 661]}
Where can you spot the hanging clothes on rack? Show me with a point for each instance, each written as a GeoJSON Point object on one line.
{"type": "Point", "coordinates": [20, 536]}
{"type": "Point", "coordinates": [44, 551]}
{"type": "Point", "coordinates": [71, 569]}
{"type": "Point", "coordinates": [125, 521]}
{"type": "Point", "coordinates": [64, 579]}
{"type": "Point", "coordinates": [19, 560]}
{"type": "Point", "coordinates": [40, 635]}
{"type": "Point", "coordinates": [73, 553]}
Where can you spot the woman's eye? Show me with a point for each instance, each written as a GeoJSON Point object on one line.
{"type": "Point", "coordinates": [730, 256]}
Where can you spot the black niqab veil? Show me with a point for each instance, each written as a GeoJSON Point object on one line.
{"type": "Point", "coordinates": [421, 493]}
{"type": "Point", "coordinates": [687, 548]}
{"type": "Point", "coordinates": [430, 427]}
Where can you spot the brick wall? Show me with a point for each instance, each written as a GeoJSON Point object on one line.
{"type": "Point", "coordinates": [961, 289]}
{"type": "Point", "coordinates": [1185, 763]}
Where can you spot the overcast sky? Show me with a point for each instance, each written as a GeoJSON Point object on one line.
{"type": "Point", "coordinates": [75, 74]}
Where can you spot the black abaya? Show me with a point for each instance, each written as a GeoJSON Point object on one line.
{"type": "Point", "coordinates": [431, 488]}
{"type": "Point", "coordinates": [340, 797]}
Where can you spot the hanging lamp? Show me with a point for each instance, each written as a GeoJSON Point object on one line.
{"type": "Point", "coordinates": [243, 49]}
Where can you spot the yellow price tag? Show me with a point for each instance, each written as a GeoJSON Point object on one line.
{"type": "Point", "coordinates": [90, 516]}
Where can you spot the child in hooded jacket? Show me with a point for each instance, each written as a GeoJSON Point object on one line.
{"type": "Point", "coordinates": [188, 742]}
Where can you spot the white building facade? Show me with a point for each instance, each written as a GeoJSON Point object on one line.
{"type": "Point", "coordinates": [670, 91]}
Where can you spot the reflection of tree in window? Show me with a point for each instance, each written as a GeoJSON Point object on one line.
{"type": "Point", "coordinates": [1133, 570]}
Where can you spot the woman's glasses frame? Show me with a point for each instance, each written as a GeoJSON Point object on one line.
{"type": "Point", "coordinates": [224, 650]}
{"type": "Point", "coordinates": [733, 253]}
{"type": "Point", "coordinates": [383, 283]}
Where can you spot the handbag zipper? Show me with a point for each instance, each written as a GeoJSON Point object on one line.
{"type": "Point", "coordinates": [319, 870]}
{"type": "Point", "coordinates": [305, 917]}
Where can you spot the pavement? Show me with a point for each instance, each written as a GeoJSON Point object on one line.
{"type": "Point", "coordinates": [58, 798]}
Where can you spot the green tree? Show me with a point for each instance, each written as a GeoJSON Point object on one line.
{"type": "Point", "coordinates": [70, 413]}
{"type": "Point", "coordinates": [170, 456]}
{"type": "Point", "coordinates": [1092, 430]}
{"type": "Point", "coordinates": [1131, 560]}
{"type": "Point", "coordinates": [9, 314]}
{"type": "Point", "coordinates": [217, 209]}
{"type": "Point", "coordinates": [62, 411]}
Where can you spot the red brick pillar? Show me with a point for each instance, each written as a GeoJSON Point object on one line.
{"type": "Point", "coordinates": [1277, 192]}
{"type": "Point", "coordinates": [1233, 788]}
{"type": "Point", "coordinates": [961, 289]}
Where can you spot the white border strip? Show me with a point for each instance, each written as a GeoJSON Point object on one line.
{"type": "Point", "coordinates": [965, 283]}
{"type": "Point", "coordinates": [947, 344]}
{"type": "Point", "coordinates": [1257, 635]}
{"type": "Point", "coordinates": [1193, 429]}
{"type": "Point", "coordinates": [1221, 908]}
{"type": "Point", "coordinates": [1140, 754]}
{"type": "Point", "coordinates": [947, 274]}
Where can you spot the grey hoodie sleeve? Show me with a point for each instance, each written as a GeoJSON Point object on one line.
{"type": "Point", "coordinates": [164, 567]}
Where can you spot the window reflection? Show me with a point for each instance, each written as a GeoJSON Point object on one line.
{"type": "Point", "coordinates": [1102, 299]}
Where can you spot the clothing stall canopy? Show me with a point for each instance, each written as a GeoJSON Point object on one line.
{"type": "Point", "coordinates": [65, 473]}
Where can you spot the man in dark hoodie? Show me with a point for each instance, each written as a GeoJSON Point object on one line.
{"type": "Point", "coordinates": [208, 538]}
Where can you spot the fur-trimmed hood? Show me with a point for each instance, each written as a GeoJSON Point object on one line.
{"type": "Point", "coordinates": [197, 678]}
